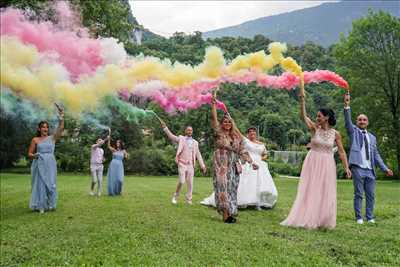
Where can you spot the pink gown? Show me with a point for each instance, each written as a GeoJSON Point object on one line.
{"type": "Point", "coordinates": [315, 204]}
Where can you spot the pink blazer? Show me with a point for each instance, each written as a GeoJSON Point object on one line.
{"type": "Point", "coordinates": [182, 146]}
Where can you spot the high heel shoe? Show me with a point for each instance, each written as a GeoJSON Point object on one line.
{"type": "Point", "coordinates": [230, 219]}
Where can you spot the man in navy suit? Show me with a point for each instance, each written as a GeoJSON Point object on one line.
{"type": "Point", "coordinates": [363, 157]}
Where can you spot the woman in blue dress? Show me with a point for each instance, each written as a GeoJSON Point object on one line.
{"type": "Point", "coordinates": [115, 173]}
{"type": "Point", "coordinates": [44, 167]}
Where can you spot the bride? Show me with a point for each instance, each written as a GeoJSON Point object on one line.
{"type": "Point", "coordinates": [256, 187]}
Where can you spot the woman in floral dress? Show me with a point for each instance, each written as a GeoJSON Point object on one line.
{"type": "Point", "coordinates": [227, 168]}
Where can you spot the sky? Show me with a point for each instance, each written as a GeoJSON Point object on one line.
{"type": "Point", "coordinates": [166, 17]}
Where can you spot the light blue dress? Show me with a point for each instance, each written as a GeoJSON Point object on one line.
{"type": "Point", "coordinates": [44, 177]}
{"type": "Point", "coordinates": [115, 174]}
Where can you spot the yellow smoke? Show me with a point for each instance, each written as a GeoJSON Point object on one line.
{"type": "Point", "coordinates": [289, 64]}
{"type": "Point", "coordinates": [15, 58]}
{"type": "Point", "coordinates": [32, 75]}
{"type": "Point", "coordinates": [213, 63]}
{"type": "Point", "coordinates": [277, 49]}
{"type": "Point", "coordinates": [263, 62]}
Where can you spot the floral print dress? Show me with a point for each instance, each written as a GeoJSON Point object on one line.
{"type": "Point", "coordinates": [227, 170]}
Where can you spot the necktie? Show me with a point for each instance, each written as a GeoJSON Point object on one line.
{"type": "Point", "coordinates": [366, 144]}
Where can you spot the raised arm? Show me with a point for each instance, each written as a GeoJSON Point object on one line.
{"type": "Point", "coordinates": [171, 136]}
{"type": "Point", "coordinates": [303, 114]}
{"type": "Point", "coordinates": [109, 141]}
{"type": "Point", "coordinates": [100, 143]}
{"type": "Point", "coordinates": [342, 154]}
{"type": "Point", "coordinates": [347, 114]}
{"type": "Point", "coordinates": [105, 139]}
{"type": "Point", "coordinates": [95, 146]}
{"type": "Point", "coordinates": [60, 128]}
{"type": "Point", "coordinates": [214, 118]}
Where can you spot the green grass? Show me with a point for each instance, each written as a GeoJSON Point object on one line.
{"type": "Point", "coordinates": [142, 227]}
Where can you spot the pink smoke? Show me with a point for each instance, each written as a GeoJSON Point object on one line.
{"type": "Point", "coordinates": [288, 80]}
{"type": "Point", "coordinates": [79, 54]}
{"type": "Point", "coordinates": [199, 92]}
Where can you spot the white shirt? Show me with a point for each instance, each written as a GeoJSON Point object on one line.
{"type": "Point", "coordinates": [97, 155]}
{"type": "Point", "coordinates": [366, 164]}
{"type": "Point", "coordinates": [189, 141]}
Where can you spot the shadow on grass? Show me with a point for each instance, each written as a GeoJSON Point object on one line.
{"type": "Point", "coordinates": [10, 213]}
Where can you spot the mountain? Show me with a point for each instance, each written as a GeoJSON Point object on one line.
{"type": "Point", "coordinates": [321, 24]}
{"type": "Point", "coordinates": [147, 34]}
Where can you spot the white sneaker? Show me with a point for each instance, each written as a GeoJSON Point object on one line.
{"type": "Point", "coordinates": [99, 194]}
{"type": "Point", "coordinates": [371, 221]}
{"type": "Point", "coordinates": [91, 193]}
{"type": "Point", "coordinates": [174, 200]}
{"type": "Point", "coordinates": [189, 202]}
{"type": "Point", "coordinates": [360, 221]}
{"type": "Point", "coordinates": [41, 211]}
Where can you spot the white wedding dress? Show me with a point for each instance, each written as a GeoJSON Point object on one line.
{"type": "Point", "coordinates": [256, 187]}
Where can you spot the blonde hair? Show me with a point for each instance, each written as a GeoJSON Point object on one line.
{"type": "Point", "coordinates": [234, 131]}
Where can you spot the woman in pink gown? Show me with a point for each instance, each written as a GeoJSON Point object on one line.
{"type": "Point", "coordinates": [315, 204]}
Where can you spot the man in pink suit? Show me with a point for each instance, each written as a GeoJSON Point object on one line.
{"type": "Point", "coordinates": [96, 166]}
{"type": "Point", "coordinates": [186, 155]}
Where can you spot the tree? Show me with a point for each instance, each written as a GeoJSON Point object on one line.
{"type": "Point", "coordinates": [106, 18]}
{"type": "Point", "coordinates": [370, 59]}
{"type": "Point", "coordinates": [273, 112]}
{"type": "Point", "coordinates": [14, 139]}
{"type": "Point", "coordinates": [37, 9]}
{"type": "Point", "coordinates": [295, 135]}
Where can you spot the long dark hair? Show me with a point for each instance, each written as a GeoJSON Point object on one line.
{"type": "Point", "coordinates": [329, 112]}
{"type": "Point", "coordinates": [39, 126]}
{"type": "Point", "coordinates": [122, 146]}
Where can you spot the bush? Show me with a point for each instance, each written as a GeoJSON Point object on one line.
{"type": "Point", "coordinates": [209, 164]}
{"type": "Point", "coordinates": [153, 161]}
{"type": "Point", "coordinates": [72, 156]}
{"type": "Point", "coordinates": [341, 174]}
{"type": "Point", "coordinates": [283, 168]}
{"type": "Point", "coordinates": [295, 170]}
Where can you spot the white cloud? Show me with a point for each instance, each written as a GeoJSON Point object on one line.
{"type": "Point", "coordinates": [167, 17]}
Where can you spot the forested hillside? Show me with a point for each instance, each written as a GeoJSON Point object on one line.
{"type": "Point", "coordinates": [322, 24]}
{"type": "Point", "coordinates": [274, 112]}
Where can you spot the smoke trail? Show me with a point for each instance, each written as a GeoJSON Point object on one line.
{"type": "Point", "coordinates": [47, 63]}
{"type": "Point", "coordinates": [80, 55]}
{"type": "Point", "coordinates": [24, 110]}
{"type": "Point", "coordinates": [130, 112]}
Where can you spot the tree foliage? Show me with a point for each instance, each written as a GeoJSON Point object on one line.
{"type": "Point", "coordinates": [370, 59]}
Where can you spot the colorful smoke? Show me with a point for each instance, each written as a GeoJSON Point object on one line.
{"type": "Point", "coordinates": [46, 63]}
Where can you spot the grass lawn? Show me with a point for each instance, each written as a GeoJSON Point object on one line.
{"type": "Point", "coordinates": [142, 227]}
